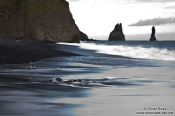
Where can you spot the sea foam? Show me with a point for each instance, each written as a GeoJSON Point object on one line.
{"type": "Point", "coordinates": [129, 51]}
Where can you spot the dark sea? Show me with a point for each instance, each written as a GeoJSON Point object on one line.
{"type": "Point", "coordinates": [132, 78]}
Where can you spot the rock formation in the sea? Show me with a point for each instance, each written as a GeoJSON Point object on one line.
{"type": "Point", "coordinates": [117, 33]}
{"type": "Point", "coordinates": [153, 38]}
{"type": "Point", "coordinates": [38, 19]}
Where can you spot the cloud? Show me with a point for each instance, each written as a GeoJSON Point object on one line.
{"type": "Point", "coordinates": [170, 7]}
{"type": "Point", "coordinates": [155, 21]}
{"type": "Point", "coordinates": [155, 1]}
{"type": "Point", "coordinates": [73, 0]}
{"type": "Point", "coordinates": [147, 1]}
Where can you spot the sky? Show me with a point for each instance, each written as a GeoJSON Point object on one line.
{"type": "Point", "coordinates": [97, 18]}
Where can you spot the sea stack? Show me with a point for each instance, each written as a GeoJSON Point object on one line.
{"type": "Point", "coordinates": [49, 20]}
{"type": "Point", "coordinates": [153, 38]}
{"type": "Point", "coordinates": [117, 33]}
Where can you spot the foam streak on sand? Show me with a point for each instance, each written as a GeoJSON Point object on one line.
{"type": "Point", "coordinates": [130, 51]}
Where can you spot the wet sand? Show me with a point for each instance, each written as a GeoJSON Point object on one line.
{"type": "Point", "coordinates": [94, 85]}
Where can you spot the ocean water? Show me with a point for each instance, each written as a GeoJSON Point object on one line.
{"type": "Point", "coordinates": [133, 78]}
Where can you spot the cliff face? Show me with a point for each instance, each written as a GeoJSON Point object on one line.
{"type": "Point", "coordinates": [38, 19]}
{"type": "Point", "coordinates": [117, 34]}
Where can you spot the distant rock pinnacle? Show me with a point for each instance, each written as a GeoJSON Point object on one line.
{"type": "Point", "coordinates": [117, 33]}
{"type": "Point", "coordinates": [153, 38]}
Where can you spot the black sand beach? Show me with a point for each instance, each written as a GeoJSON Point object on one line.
{"type": "Point", "coordinates": [92, 83]}
{"type": "Point", "coordinates": [13, 52]}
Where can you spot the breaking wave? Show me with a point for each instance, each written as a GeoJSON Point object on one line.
{"type": "Point", "coordinates": [130, 51]}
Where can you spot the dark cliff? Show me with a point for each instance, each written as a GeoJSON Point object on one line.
{"type": "Point", "coordinates": [38, 19]}
{"type": "Point", "coordinates": [117, 34]}
{"type": "Point", "coordinates": [153, 38]}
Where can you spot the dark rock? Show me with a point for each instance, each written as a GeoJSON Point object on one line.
{"type": "Point", "coordinates": [79, 36]}
{"type": "Point", "coordinates": [59, 80]}
{"type": "Point", "coordinates": [82, 36]}
{"type": "Point", "coordinates": [38, 20]}
{"type": "Point", "coordinates": [117, 34]}
{"type": "Point", "coordinates": [153, 38]}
